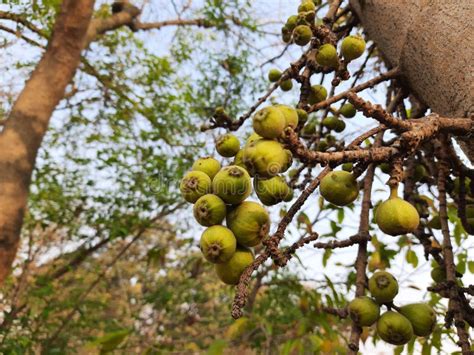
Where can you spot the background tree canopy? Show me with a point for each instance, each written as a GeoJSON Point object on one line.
{"type": "Point", "coordinates": [109, 257]}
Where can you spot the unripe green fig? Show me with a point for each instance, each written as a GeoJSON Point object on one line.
{"type": "Point", "coordinates": [330, 122]}
{"type": "Point", "coordinates": [230, 271]}
{"type": "Point", "coordinates": [209, 210]}
{"type": "Point", "coordinates": [269, 122]}
{"type": "Point", "coordinates": [385, 168]}
{"type": "Point", "coordinates": [218, 244]}
{"type": "Point", "coordinates": [317, 2]}
{"type": "Point", "coordinates": [249, 222]}
{"type": "Point", "coordinates": [438, 274]}
{"type": "Point", "coordinates": [347, 167]}
{"type": "Point", "coordinates": [266, 158]}
{"type": "Point", "coordinates": [238, 159]}
{"type": "Point", "coordinates": [383, 287]}
{"type": "Point", "coordinates": [286, 85]}
{"type": "Point", "coordinates": [310, 127]}
{"type": "Point", "coordinates": [292, 22]}
{"type": "Point", "coordinates": [232, 184]}
{"type": "Point", "coordinates": [272, 191]}
{"type": "Point", "coordinates": [318, 93]}
{"type": "Point", "coordinates": [207, 165]}
{"type": "Point", "coordinates": [306, 6]}
{"type": "Point", "coordinates": [339, 187]}
{"type": "Point", "coordinates": [352, 47]}
{"type": "Point", "coordinates": [420, 172]}
{"type": "Point", "coordinates": [331, 139]}
{"type": "Point", "coordinates": [274, 75]}
{"type": "Point", "coordinates": [397, 216]}
{"type": "Point", "coordinates": [364, 311]}
{"type": "Point", "coordinates": [340, 126]}
{"type": "Point", "coordinates": [348, 110]}
{"type": "Point", "coordinates": [227, 145]}
{"type": "Point", "coordinates": [302, 115]}
{"type": "Point", "coordinates": [435, 222]}
{"type": "Point", "coordinates": [394, 328]}
{"type": "Point", "coordinates": [194, 185]}
{"type": "Point", "coordinates": [327, 56]}
{"type": "Point", "coordinates": [286, 33]}
{"type": "Point", "coordinates": [322, 146]}
{"type": "Point", "coordinates": [302, 35]}
{"type": "Point", "coordinates": [421, 316]}
{"type": "Point", "coordinates": [289, 197]}
{"type": "Point", "coordinates": [291, 115]}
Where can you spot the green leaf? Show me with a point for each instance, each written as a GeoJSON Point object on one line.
{"type": "Point", "coordinates": [217, 347]}
{"type": "Point", "coordinates": [412, 258]}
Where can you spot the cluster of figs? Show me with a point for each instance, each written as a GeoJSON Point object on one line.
{"type": "Point", "coordinates": [396, 326]}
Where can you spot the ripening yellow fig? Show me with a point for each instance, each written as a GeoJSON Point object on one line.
{"type": "Point", "coordinates": [232, 184]}
{"type": "Point", "coordinates": [397, 216]}
{"type": "Point", "coordinates": [218, 244]}
{"type": "Point", "coordinates": [306, 6]}
{"type": "Point", "coordinates": [194, 185]}
{"type": "Point", "coordinates": [269, 122]}
{"type": "Point", "coordinates": [266, 158]}
{"type": "Point", "coordinates": [339, 188]}
{"type": "Point", "coordinates": [364, 311]}
{"type": "Point", "coordinates": [227, 145]}
{"type": "Point", "coordinates": [230, 271]}
{"type": "Point", "coordinates": [207, 165]}
{"type": "Point", "coordinates": [318, 93]}
{"type": "Point", "coordinates": [352, 47]}
{"type": "Point", "coordinates": [290, 113]}
{"type": "Point", "coordinates": [302, 35]}
{"type": "Point", "coordinates": [209, 210]}
{"type": "Point", "coordinates": [327, 56]}
{"type": "Point", "coordinates": [394, 328]}
{"type": "Point", "coordinates": [272, 191]}
{"type": "Point", "coordinates": [249, 222]}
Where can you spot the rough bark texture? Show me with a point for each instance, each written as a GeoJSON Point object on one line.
{"type": "Point", "coordinates": [431, 43]}
{"type": "Point", "coordinates": [28, 121]}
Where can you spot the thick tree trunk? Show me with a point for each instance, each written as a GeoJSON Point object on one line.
{"type": "Point", "coordinates": [431, 42]}
{"type": "Point", "coordinates": [28, 121]}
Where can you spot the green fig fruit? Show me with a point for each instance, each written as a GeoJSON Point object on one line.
{"type": "Point", "coordinates": [227, 145]}
{"type": "Point", "coordinates": [435, 222]}
{"type": "Point", "coordinates": [274, 75]}
{"type": "Point", "coordinates": [291, 115]}
{"type": "Point", "coordinates": [232, 184]}
{"type": "Point", "coordinates": [339, 187]}
{"type": "Point", "coordinates": [230, 271]}
{"type": "Point", "coordinates": [327, 56]}
{"type": "Point", "coordinates": [194, 185]}
{"type": "Point", "coordinates": [421, 316]}
{"type": "Point", "coordinates": [397, 216]}
{"type": "Point", "coordinates": [302, 35]}
{"type": "Point", "coordinates": [322, 146]}
{"type": "Point", "coordinates": [385, 168]}
{"type": "Point", "coordinates": [420, 172]}
{"type": "Point", "coordinates": [340, 126]}
{"type": "Point", "coordinates": [330, 122]}
{"type": "Point", "coordinates": [347, 167]}
{"type": "Point", "coordinates": [266, 158]}
{"type": "Point", "coordinates": [249, 222]}
{"type": "Point", "coordinates": [292, 22]}
{"type": "Point", "coordinates": [286, 33]}
{"type": "Point", "coordinates": [394, 328]}
{"type": "Point", "coordinates": [289, 196]}
{"type": "Point", "coordinates": [352, 47]}
{"type": "Point", "coordinates": [383, 287]}
{"type": "Point", "coordinates": [364, 311]}
{"type": "Point", "coordinates": [318, 93]}
{"type": "Point", "coordinates": [331, 139]}
{"type": "Point", "coordinates": [348, 110]}
{"type": "Point", "coordinates": [218, 244]}
{"type": "Point", "coordinates": [269, 122]}
{"type": "Point", "coordinates": [306, 6]}
{"type": "Point", "coordinates": [207, 165]}
{"type": "Point", "coordinates": [272, 191]}
{"type": "Point", "coordinates": [209, 210]}
{"type": "Point", "coordinates": [286, 85]}
{"type": "Point", "coordinates": [438, 274]}
{"type": "Point", "coordinates": [310, 127]}
{"type": "Point", "coordinates": [238, 159]}
{"type": "Point", "coordinates": [302, 115]}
